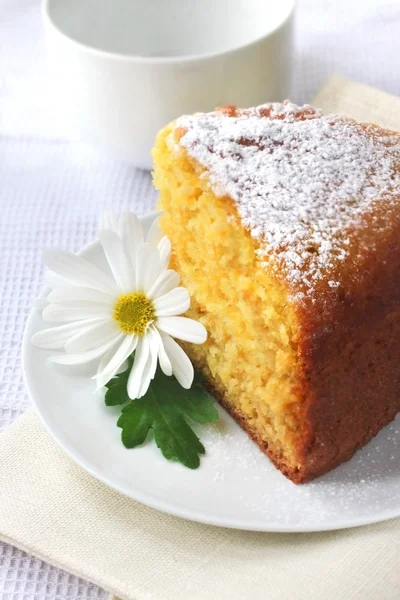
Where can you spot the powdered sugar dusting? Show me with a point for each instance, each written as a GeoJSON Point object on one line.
{"type": "Point", "coordinates": [301, 181]}
{"type": "Point", "coordinates": [243, 481]}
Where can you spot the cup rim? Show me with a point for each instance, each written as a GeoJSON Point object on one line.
{"type": "Point", "coordinates": [161, 60]}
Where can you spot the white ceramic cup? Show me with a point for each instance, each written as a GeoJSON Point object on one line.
{"type": "Point", "coordinates": [124, 68]}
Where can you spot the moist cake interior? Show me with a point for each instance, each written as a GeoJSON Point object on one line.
{"type": "Point", "coordinates": [267, 210]}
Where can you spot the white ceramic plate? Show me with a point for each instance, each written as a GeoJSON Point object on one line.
{"type": "Point", "coordinates": [235, 486]}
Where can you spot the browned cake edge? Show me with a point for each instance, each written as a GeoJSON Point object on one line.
{"type": "Point", "coordinates": [349, 376]}
{"type": "Point", "coordinates": [292, 474]}
{"type": "Point", "coordinates": [321, 463]}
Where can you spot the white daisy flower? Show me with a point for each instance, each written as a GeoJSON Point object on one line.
{"type": "Point", "coordinates": [129, 222]}
{"type": "Point", "coordinates": [137, 309]}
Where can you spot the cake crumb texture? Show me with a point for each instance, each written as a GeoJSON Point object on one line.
{"type": "Point", "coordinates": [251, 348]}
{"type": "Point", "coordinates": [301, 181]}
{"type": "Point", "coordinates": [297, 284]}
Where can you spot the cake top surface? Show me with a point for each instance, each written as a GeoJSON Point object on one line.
{"type": "Point", "coordinates": [303, 182]}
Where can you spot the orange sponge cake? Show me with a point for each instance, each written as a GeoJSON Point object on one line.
{"type": "Point", "coordinates": [285, 226]}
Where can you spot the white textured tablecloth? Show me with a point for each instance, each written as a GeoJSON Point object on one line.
{"type": "Point", "coordinates": [52, 189]}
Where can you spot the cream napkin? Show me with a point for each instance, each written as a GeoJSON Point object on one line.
{"type": "Point", "coordinates": [360, 102]}
{"type": "Point", "coordinates": [49, 507]}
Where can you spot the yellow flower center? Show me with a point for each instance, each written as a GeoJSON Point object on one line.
{"type": "Point", "coordinates": [133, 313]}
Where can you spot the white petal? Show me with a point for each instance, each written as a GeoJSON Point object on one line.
{"type": "Point", "coordinates": [78, 270]}
{"type": "Point", "coordinates": [155, 234]}
{"type": "Point", "coordinates": [164, 248]}
{"type": "Point", "coordinates": [123, 367]}
{"type": "Point", "coordinates": [151, 365]}
{"type": "Point", "coordinates": [41, 302]}
{"type": "Point", "coordinates": [136, 374]}
{"type": "Point", "coordinates": [132, 235]}
{"type": "Point", "coordinates": [167, 281]}
{"type": "Point", "coordinates": [182, 368]}
{"type": "Point", "coordinates": [183, 328]}
{"type": "Point", "coordinates": [78, 294]}
{"type": "Point", "coordinates": [176, 302]}
{"type": "Point", "coordinates": [107, 356]}
{"type": "Point", "coordinates": [164, 361]}
{"type": "Point", "coordinates": [84, 357]}
{"type": "Point", "coordinates": [54, 338]}
{"type": "Point", "coordinates": [92, 336]}
{"type": "Point", "coordinates": [61, 313]}
{"type": "Point", "coordinates": [153, 270]}
{"type": "Point", "coordinates": [131, 225]}
{"type": "Point", "coordinates": [54, 280]}
{"type": "Point", "coordinates": [107, 370]}
{"type": "Point", "coordinates": [109, 220]}
{"type": "Point", "coordinates": [117, 259]}
{"type": "Point", "coordinates": [145, 382]}
{"type": "Point", "coordinates": [147, 265]}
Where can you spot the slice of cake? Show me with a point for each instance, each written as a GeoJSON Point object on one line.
{"type": "Point", "coordinates": [285, 227]}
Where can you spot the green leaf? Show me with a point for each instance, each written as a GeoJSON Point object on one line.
{"type": "Point", "coordinates": [198, 405]}
{"type": "Point", "coordinates": [117, 387]}
{"type": "Point", "coordinates": [165, 410]}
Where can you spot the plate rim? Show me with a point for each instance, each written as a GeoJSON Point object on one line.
{"type": "Point", "coordinates": [162, 505]}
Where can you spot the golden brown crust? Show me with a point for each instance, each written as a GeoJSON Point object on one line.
{"type": "Point", "coordinates": [322, 453]}
{"type": "Point", "coordinates": [347, 343]}
{"type": "Point", "coordinates": [350, 357]}
{"type": "Point", "coordinates": [359, 241]}
{"type": "Point", "coordinates": [292, 474]}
